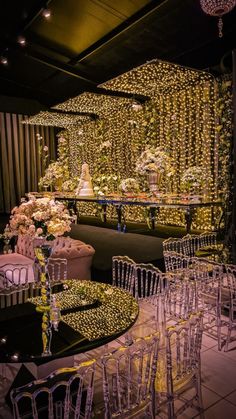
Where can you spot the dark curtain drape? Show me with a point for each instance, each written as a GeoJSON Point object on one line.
{"type": "Point", "coordinates": [21, 163]}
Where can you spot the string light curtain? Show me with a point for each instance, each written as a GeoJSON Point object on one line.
{"type": "Point", "coordinates": [180, 117]}
{"type": "Point", "coordinates": [21, 163]}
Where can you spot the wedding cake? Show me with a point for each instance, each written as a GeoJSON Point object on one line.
{"type": "Point", "coordinates": [85, 187]}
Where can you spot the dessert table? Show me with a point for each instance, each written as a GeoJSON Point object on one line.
{"type": "Point", "coordinates": [92, 314]}
{"type": "Point", "coordinates": [188, 205]}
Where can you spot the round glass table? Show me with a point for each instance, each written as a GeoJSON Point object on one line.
{"type": "Point", "coordinates": [92, 314]}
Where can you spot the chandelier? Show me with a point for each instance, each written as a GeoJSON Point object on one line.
{"type": "Point", "coordinates": [218, 8]}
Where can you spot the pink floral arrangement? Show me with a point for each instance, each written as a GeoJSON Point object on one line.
{"type": "Point", "coordinates": [42, 217]}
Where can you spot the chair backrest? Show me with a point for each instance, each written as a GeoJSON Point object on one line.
{"type": "Point", "coordinates": [176, 261]}
{"type": "Point", "coordinates": [172, 244]}
{"type": "Point", "coordinates": [208, 239]}
{"type": "Point", "coordinates": [183, 345]}
{"type": "Point", "coordinates": [193, 242]}
{"type": "Point", "coordinates": [180, 299]}
{"type": "Point", "coordinates": [14, 286]}
{"type": "Point", "coordinates": [123, 273]}
{"type": "Point", "coordinates": [67, 392]}
{"type": "Point", "coordinates": [129, 375]}
{"type": "Point", "coordinates": [14, 275]}
{"type": "Point", "coordinates": [148, 280]}
{"type": "Point", "coordinates": [57, 269]}
{"type": "Point", "coordinates": [190, 243]}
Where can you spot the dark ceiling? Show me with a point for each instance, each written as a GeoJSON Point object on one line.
{"type": "Point", "coordinates": [87, 42]}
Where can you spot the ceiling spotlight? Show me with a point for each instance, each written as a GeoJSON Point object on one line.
{"type": "Point", "coordinates": [46, 13]}
{"type": "Point", "coordinates": [4, 60]}
{"type": "Point", "coordinates": [21, 40]}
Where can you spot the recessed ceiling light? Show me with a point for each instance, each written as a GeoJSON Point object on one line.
{"type": "Point", "coordinates": [21, 40]}
{"type": "Point", "coordinates": [4, 60]}
{"type": "Point", "coordinates": [46, 13]}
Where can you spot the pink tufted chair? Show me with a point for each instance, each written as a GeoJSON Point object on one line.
{"type": "Point", "coordinates": [78, 255]}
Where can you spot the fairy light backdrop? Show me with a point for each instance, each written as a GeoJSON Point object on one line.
{"type": "Point", "coordinates": [183, 115]}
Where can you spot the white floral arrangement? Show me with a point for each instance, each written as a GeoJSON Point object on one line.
{"type": "Point", "coordinates": [58, 171]}
{"type": "Point", "coordinates": [55, 173]}
{"type": "Point", "coordinates": [193, 178]}
{"type": "Point", "coordinates": [42, 217]}
{"type": "Point", "coordinates": [129, 185]}
{"type": "Point", "coordinates": [153, 160]}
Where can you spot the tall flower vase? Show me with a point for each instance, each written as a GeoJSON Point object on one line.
{"type": "Point", "coordinates": [42, 253]}
{"type": "Point", "coordinates": [154, 180]}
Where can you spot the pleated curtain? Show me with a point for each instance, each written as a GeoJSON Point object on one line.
{"type": "Point", "coordinates": [21, 163]}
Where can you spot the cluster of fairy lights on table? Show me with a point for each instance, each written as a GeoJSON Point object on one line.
{"type": "Point", "coordinates": [116, 311]}
{"type": "Point", "coordinates": [180, 117]}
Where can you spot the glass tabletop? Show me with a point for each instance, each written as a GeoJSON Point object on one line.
{"type": "Point", "coordinates": [92, 314]}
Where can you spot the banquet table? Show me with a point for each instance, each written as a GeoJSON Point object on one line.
{"type": "Point", "coordinates": [154, 204]}
{"type": "Point", "coordinates": [92, 314]}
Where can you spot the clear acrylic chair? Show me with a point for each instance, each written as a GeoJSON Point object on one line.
{"type": "Point", "coordinates": [128, 379]}
{"type": "Point", "coordinates": [229, 288]}
{"type": "Point", "coordinates": [123, 273]}
{"type": "Point", "coordinates": [211, 297]}
{"type": "Point", "coordinates": [182, 367]}
{"type": "Point", "coordinates": [180, 300]}
{"type": "Point", "coordinates": [65, 393]}
{"type": "Point", "coordinates": [149, 284]}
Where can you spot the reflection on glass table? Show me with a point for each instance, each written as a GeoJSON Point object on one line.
{"type": "Point", "coordinates": [92, 314]}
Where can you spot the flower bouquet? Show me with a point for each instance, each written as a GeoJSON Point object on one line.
{"type": "Point", "coordinates": [153, 160]}
{"type": "Point", "coordinates": [42, 217]}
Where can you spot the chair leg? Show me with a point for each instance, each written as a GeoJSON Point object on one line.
{"type": "Point", "coordinates": [171, 407]}
{"type": "Point", "coordinates": [199, 396]}
{"type": "Point", "coordinates": [228, 338]}
{"type": "Point", "coordinates": [218, 325]}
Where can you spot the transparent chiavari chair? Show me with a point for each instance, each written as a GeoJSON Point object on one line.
{"type": "Point", "coordinates": [149, 284]}
{"type": "Point", "coordinates": [182, 366]}
{"type": "Point", "coordinates": [128, 379]}
{"type": "Point", "coordinates": [123, 273]}
{"type": "Point", "coordinates": [122, 277]}
{"type": "Point", "coordinates": [65, 393]}
{"type": "Point", "coordinates": [172, 244]}
{"type": "Point", "coordinates": [211, 297]}
{"type": "Point", "coordinates": [229, 288]}
{"type": "Point", "coordinates": [180, 300]}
